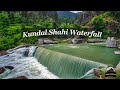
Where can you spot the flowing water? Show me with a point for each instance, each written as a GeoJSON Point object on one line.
{"type": "Point", "coordinates": [64, 65]}
{"type": "Point", "coordinates": [24, 66]}
{"type": "Point", "coordinates": [57, 61]}
{"type": "Point", "coordinates": [95, 52]}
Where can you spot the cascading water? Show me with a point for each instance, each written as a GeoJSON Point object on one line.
{"type": "Point", "coordinates": [56, 64]}
{"type": "Point", "coordinates": [23, 65]}
{"type": "Point", "coordinates": [64, 65]}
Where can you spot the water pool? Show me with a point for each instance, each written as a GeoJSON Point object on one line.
{"type": "Point", "coordinates": [97, 53]}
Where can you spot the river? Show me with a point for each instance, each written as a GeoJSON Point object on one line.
{"type": "Point", "coordinates": [24, 66]}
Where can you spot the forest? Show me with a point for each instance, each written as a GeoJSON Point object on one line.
{"type": "Point", "coordinates": [13, 23]}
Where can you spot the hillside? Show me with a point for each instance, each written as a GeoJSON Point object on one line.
{"type": "Point", "coordinates": [67, 16]}
{"type": "Point", "coordinates": [13, 23]}
{"type": "Point", "coordinates": [106, 21]}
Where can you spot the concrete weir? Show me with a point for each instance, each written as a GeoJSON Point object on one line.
{"type": "Point", "coordinates": [64, 65]}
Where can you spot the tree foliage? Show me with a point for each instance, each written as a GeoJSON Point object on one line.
{"type": "Point", "coordinates": [13, 23]}
{"type": "Point", "coordinates": [98, 23]}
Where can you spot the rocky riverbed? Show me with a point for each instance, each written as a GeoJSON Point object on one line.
{"type": "Point", "coordinates": [16, 64]}
{"type": "Point", "coordinates": [3, 53]}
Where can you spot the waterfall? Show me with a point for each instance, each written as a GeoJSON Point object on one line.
{"type": "Point", "coordinates": [24, 65]}
{"type": "Point", "coordinates": [64, 65]}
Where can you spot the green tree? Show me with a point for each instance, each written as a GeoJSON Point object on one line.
{"type": "Point", "coordinates": [98, 23]}
{"type": "Point", "coordinates": [4, 19]}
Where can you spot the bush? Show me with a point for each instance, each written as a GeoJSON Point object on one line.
{"type": "Point", "coordinates": [117, 73]}
{"type": "Point", "coordinates": [98, 23]}
{"type": "Point", "coordinates": [4, 19]}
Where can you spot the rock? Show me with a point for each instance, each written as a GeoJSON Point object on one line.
{"type": "Point", "coordinates": [2, 69]}
{"type": "Point", "coordinates": [86, 16]}
{"type": "Point", "coordinates": [9, 67]}
{"type": "Point", "coordinates": [40, 41]}
{"type": "Point", "coordinates": [119, 47]}
{"type": "Point", "coordinates": [3, 53]}
{"type": "Point", "coordinates": [97, 72]}
{"type": "Point", "coordinates": [27, 45]}
{"type": "Point", "coordinates": [77, 41]}
{"type": "Point", "coordinates": [111, 42]}
{"type": "Point", "coordinates": [118, 66]}
{"type": "Point", "coordinates": [48, 41]}
{"type": "Point", "coordinates": [117, 52]}
{"type": "Point", "coordinates": [25, 53]}
{"type": "Point", "coordinates": [20, 77]}
{"type": "Point", "coordinates": [74, 41]}
{"type": "Point", "coordinates": [118, 44]}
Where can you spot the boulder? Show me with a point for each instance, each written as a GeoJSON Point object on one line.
{"type": "Point", "coordinates": [25, 53]}
{"type": "Point", "coordinates": [97, 72]}
{"type": "Point", "coordinates": [118, 66]}
{"type": "Point", "coordinates": [9, 67]}
{"type": "Point", "coordinates": [20, 77]}
{"type": "Point", "coordinates": [74, 41]}
{"type": "Point", "coordinates": [77, 41]}
{"type": "Point", "coordinates": [3, 53]}
{"type": "Point", "coordinates": [40, 41]}
{"type": "Point", "coordinates": [117, 52]}
{"type": "Point", "coordinates": [2, 70]}
{"type": "Point", "coordinates": [111, 42]}
{"type": "Point", "coordinates": [48, 41]}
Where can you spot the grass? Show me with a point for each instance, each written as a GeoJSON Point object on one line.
{"type": "Point", "coordinates": [103, 71]}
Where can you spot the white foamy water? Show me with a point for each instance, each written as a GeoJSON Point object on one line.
{"type": "Point", "coordinates": [24, 66]}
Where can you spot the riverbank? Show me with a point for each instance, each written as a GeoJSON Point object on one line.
{"type": "Point", "coordinates": [3, 53]}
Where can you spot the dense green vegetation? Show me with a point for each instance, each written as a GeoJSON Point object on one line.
{"type": "Point", "coordinates": [13, 23]}
{"type": "Point", "coordinates": [67, 16]}
{"type": "Point", "coordinates": [107, 22]}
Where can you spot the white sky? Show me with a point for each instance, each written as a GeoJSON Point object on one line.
{"type": "Point", "coordinates": [75, 11]}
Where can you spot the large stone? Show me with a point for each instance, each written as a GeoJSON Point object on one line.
{"type": "Point", "coordinates": [40, 41]}
{"type": "Point", "coordinates": [117, 52]}
{"type": "Point", "coordinates": [74, 41]}
{"type": "Point", "coordinates": [9, 67]}
{"type": "Point", "coordinates": [2, 70]}
{"type": "Point", "coordinates": [3, 53]}
{"type": "Point", "coordinates": [118, 66]}
{"type": "Point", "coordinates": [111, 42]}
{"type": "Point", "coordinates": [118, 44]}
{"type": "Point", "coordinates": [48, 41]}
{"type": "Point", "coordinates": [77, 41]}
{"type": "Point", "coordinates": [97, 72]}
{"type": "Point", "coordinates": [20, 77]}
{"type": "Point", "coordinates": [26, 53]}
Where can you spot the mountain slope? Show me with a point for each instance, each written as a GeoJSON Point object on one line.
{"type": "Point", "coordinates": [67, 14]}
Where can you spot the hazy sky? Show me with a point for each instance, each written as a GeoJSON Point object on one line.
{"type": "Point", "coordinates": [76, 11]}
